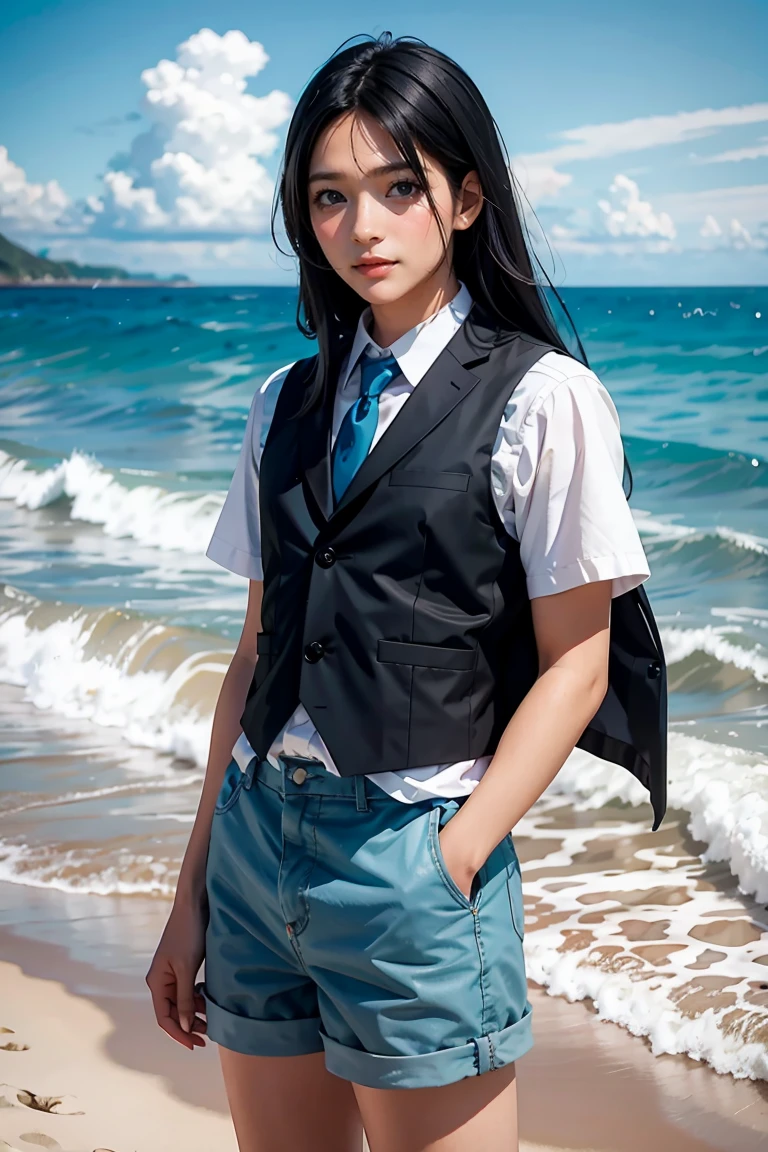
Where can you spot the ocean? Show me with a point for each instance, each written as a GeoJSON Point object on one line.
{"type": "Point", "coordinates": [121, 414]}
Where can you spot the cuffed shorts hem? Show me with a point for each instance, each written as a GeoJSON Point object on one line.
{"type": "Point", "coordinates": [481, 1054]}
{"type": "Point", "coordinates": [261, 1037]}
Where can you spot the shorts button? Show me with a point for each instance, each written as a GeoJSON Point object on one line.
{"type": "Point", "coordinates": [299, 775]}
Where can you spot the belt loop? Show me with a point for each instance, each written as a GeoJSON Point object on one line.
{"type": "Point", "coordinates": [360, 796]}
{"type": "Point", "coordinates": [250, 771]}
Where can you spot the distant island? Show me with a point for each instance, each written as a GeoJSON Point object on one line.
{"type": "Point", "coordinates": [19, 267]}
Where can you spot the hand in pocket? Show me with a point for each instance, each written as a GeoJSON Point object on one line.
{"type": "Point", "coordinates": [454, 858]}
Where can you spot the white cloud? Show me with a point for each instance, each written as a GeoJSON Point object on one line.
{"type": "Point", "coordinates": [740, 237]}
{"type": "Point", "coordinates": [750, 152]}
{"type": "Point", "coordinates": [25, 206]}
{"type": "Point", "coordinates": [746, 201]}
{"type": "Point", "coordinates": [197, 169]}
{"type": "Point", "coordinates": [710, 227]}
{"type": "Point", "coordinates": [539, 181]}
{"type": "Point", "coordinates": [629, 215]}
{"type": "Point", "coordinates": [615, 138]}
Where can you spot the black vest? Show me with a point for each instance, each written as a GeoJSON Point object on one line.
{"type": "Point", "coordinates": [400, 618]}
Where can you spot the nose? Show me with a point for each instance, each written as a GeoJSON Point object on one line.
{"type": "Point", "coordinates": [366, 224]}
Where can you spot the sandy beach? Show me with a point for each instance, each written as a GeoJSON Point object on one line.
{"type": "Point", "coordinates": [89, 1071]}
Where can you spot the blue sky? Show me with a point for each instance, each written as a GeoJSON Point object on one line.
{"type": "Point", "coordinates": [639, 132]}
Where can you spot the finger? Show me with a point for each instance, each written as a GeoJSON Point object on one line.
{"type": "Point", "coordinates": [167, 1020]}
{"type": "Point", "coordinates": [162, 987]}
{"type": "Point", "coordinates": [185, 998]}
{"type": "Point", "coordinates": [198, 1023]}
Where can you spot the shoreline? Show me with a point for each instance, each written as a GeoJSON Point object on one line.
{"type": "Point", "coordinates": [95, 282]}
{"type": "Point", "coordinates": [93, 1040]}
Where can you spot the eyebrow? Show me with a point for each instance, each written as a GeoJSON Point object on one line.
{"type": "Point", "coordinates": [382, 170]}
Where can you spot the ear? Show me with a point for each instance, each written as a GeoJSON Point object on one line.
{"type": "Point", "coordinates": [470, 201]}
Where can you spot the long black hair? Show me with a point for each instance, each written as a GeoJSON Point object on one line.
{"type": "Point", "coordinates": [420, 97]}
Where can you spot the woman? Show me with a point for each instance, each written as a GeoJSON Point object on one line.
{"type": "Point", "coordinates": [433, 526]}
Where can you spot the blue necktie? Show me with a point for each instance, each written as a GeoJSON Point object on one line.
{"type": "Point", "coordinates": [358, 427]}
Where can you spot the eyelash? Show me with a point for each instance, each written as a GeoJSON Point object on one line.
{"type": "Point", "coordinates": [414, 184]}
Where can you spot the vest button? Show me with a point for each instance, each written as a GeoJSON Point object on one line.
{"type": "Point", "coordinates": [654, 670]}
{"type": "Point", "coordinates": [325, 557]}
{"type": "Point", "coordinates": [314, 652]}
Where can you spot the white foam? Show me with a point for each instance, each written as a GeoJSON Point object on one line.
{"type": "Point", "coordinates": [638, 939]}
{"type": "Point", "coordinates": [63, 673]}
{"type": "Point", "coordinates": [680, 643]}
{"type": "Point", "coordinates": [86, 871]}
{"type": "Point", "coordinates": [147, 513]}
{"type": "Point", "coordinates": [725, 790]}
{"type": "Point", "coordinates": [661, 529]}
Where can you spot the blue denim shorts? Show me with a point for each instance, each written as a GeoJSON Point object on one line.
{"type": "Point", "coordinates": [335, 926]}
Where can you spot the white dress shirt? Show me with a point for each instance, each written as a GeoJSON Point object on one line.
{"type": "Point", "coordinates": [556, 478]}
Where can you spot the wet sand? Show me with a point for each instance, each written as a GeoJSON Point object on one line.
{"type": "Point", "coordinates": [586, 1085]}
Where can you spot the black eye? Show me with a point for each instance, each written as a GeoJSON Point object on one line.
{"type": "Point", "coordinates": [411, 184]}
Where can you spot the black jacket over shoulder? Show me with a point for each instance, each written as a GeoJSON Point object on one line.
{"type": "Point", "coordinates": [400, 618]}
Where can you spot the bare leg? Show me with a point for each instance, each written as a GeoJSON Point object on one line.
{"type": "Point", "coordinates": [290, 1102]}
{"type": "Point", "coordinates": [477, 1114]}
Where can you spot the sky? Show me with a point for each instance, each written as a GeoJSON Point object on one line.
{"type": "Point", "coordinates": [638, 133]}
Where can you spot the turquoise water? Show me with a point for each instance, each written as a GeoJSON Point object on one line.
{"type": "Point", "coordinates": [121, 416]}
{"type": "Point", "coordinates": [122, 412]}
{"type": "Point", "coordinates": [149, 389]}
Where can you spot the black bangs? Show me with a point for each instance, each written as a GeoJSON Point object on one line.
{"type": "Point", "coordinates": [426, 102]}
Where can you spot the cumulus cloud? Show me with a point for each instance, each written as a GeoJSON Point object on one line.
{"type": "Point", "coordinates": [24, 206]}
{"type": "Point", "coordinates": [198, 167]}
{"type": "Point", "coordinates": [539, 181]}
{"type": "Point", "coordinates": [737, 235]}
{"type": "Point", "coordinates": [740, 237]}
{"type": "Point", "coordinates": [710, 227]}
{"type": "Point", "coordinates": [627, 214]}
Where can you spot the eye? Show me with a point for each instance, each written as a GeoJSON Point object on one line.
{"type": "Point", "coordinates": [412, 184]}
{"type": "Point", "coordinates": [323, 192]}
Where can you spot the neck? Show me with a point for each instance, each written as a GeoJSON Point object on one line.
{"type": "Point", "coordinates": [394, 318]}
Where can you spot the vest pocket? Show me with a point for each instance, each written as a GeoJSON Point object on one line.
{"type": "Point", "coordinates": [428, 478]}
{"type": "Point", "coordinates": [425, 655]}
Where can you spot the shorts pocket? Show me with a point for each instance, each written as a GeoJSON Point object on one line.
{"type": "Point", "coordinates": [231, 787]}
{"type": "Point", "coordinates": [515, 889]}
{"type": "Point", "coordinates": [436, 854]}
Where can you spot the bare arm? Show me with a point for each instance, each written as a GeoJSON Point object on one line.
{"type": "Point", "coordinates": [224, 732]}
{"type": "Point", "coordinates": [172, 973]}
{"type": "Point", "coordinates": [572, 638]}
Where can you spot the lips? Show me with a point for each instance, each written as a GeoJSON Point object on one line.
{"type": "Point", "coordinates": [375, 262]}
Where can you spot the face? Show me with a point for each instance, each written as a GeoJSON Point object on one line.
{"type": "Point", "coordinates": [365, 205]}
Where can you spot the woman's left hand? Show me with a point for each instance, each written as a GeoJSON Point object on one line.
{"type": "Point", "coordinates": [461, 871]}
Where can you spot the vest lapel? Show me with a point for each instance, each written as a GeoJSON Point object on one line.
{"type": "Point", "coordinates": [446, 382]}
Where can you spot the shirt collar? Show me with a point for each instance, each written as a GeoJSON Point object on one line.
{"type": "Point", "coordinates": [418, 348]}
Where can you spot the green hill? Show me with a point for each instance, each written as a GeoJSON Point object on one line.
{"type": "Point", "coordinates": [17, 263]}
{"type": "Point", "coordinates": [18, 266]}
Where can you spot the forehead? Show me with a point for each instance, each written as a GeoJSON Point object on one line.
{"type": "Point", "coordinates": [356, 144]}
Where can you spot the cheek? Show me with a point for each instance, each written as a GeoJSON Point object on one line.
{"type": "Point", "coordinates": [327, 229]}
{"type": "Point", "coordinates": [419, 225]}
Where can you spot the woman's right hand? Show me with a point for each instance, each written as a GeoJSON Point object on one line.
{"type": "Point", "coordinates": [172, 973]}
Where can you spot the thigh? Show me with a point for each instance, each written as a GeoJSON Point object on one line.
{"type": "Point", "coordinates": [479, 1112]}
{"type": "Point", "coordinates": [290, 1102]}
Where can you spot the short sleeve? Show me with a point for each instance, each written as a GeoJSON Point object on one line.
{"type": "Point", "coordinates": [236, 540]}
{"type": "Point", "coordinates": [560, 471]}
